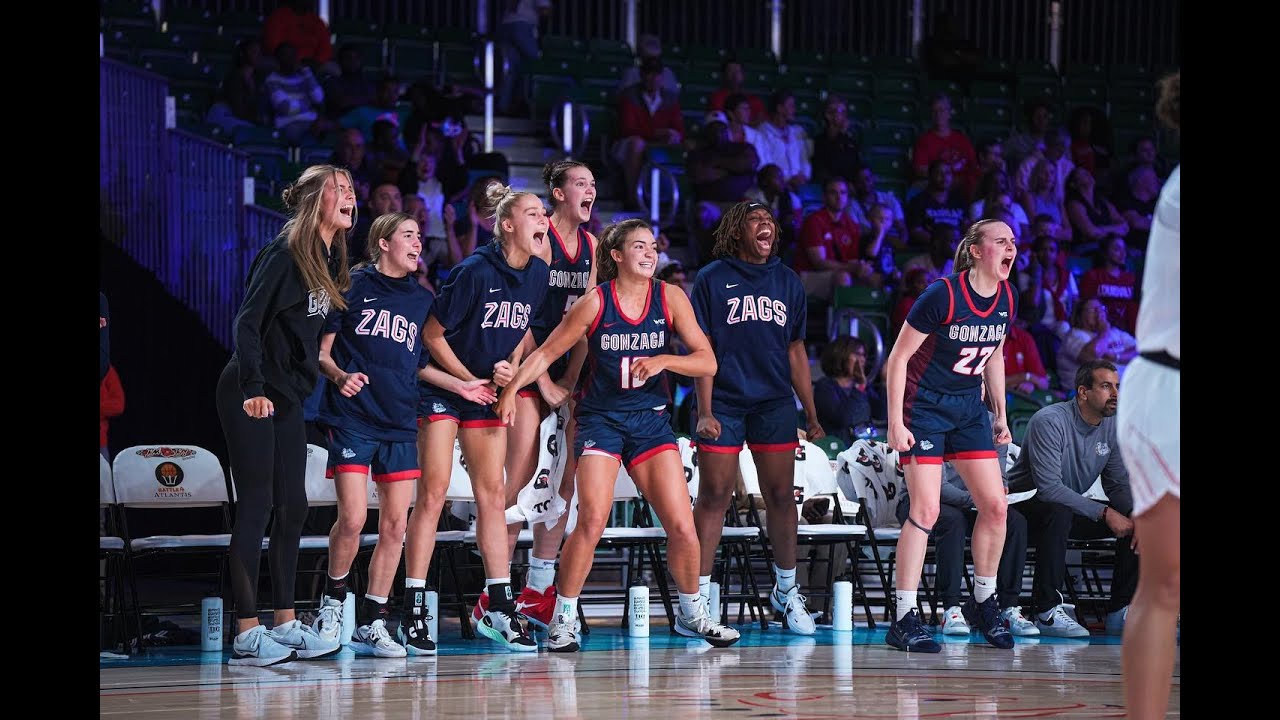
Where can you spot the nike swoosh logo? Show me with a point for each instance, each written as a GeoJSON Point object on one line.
{"type": "Point", "coordinates": [493, 290]}
{"type": "Point", "coordinates": [610, 324]}
{"type": "Point", "coordinates": [726, 287]}
{"type": "Point", "coordinates": [370, 299]}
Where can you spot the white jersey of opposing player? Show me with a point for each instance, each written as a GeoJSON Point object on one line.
{"type": "Point", "coordinates": [1160, 315]}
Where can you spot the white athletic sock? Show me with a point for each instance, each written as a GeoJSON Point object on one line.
{"type": "Point", "coordinates": [375, 598]}
{"type": "Point", "coordinates": [983, 588]}
{"type": "Point", "coordinates": [704, 585]}
{"type": "Point", "coordinates": [906, 601]}
{"type": "Point", "coordinates": [567, 606]}
{"type": "Point", "coordinates": [688, 604]}
{"type": "Point", "coordinates": [415, 582]}
{"type": "Point", "coordinates": [541, 573]}
{"type": "Point", "coordinates": [786, 579]}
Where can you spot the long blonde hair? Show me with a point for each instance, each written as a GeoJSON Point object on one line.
{"type": "Point", "coordinates": [973, 236]}
{"type": "Point", "coordinates": [612, 239]}
{"type": "Point", "coordinates": [302, 198]}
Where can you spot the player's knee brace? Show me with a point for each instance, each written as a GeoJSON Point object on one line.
{"type": "Point", "coordinates": [921, 528]}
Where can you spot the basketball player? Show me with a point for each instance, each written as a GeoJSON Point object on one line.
{"type": "Point", "coordinates": [293, 283]}
{"type": "Point", "coordinates": [753, 309]}
{"type": "Point", "coordinates": [476, 329]}
{"type": "Point", "coordinates": [1149, 438]}
{"type": "Point", "coordinates": [371, 353]}
{"type": "Point", "coordinates": [622, 418]}
{"type": "Point", "coordinates": [935, 375]}
{"type": "Point", "coordinates": [572, 189]}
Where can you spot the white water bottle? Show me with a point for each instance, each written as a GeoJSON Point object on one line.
{"type": "Point", "coordinates": [713, 601]}
{"type": "Point", "coordinates": [638, 611]}
{"type": "Point", "coordinates": [433, 614]}
{"type": "Point", "coordinates": [211, 624]}
{"type": "Point", "coordinates": [842, 606]}
{"type": "Point", "coordinates": [348, 617]}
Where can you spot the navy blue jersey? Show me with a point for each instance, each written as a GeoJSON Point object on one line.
{"type": "Point", "coordinates": [567, 283]}
{"type": "Point", "coordinates": [751, 313]}
{"type": "Point", "coordinates": [380, 335]}
{"type": "Point", "coordinates": [487, 306]}
{"type": "Point", "coordinates": [963, 332]}
{"type": "Point", "coordinates": [614, 342]}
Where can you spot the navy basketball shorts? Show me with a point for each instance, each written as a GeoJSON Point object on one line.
{"type": "Point", "coordinates": [768, 427]}
{"type": "Point", "coordinates": [628, 437]}
{"type": "Point", "coordinates": [947, 427]}
{"type": "Point", "coordinates": [436, 404]}
{"type": "Point", "coordinates": [354, 452]}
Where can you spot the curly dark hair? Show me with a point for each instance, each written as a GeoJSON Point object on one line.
{"type": "Point", "coordinates": [729, 232]}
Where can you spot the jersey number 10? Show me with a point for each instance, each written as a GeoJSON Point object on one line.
{"type": "Point", "coordinates": [628, 382]}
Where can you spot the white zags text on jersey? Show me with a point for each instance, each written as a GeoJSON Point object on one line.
{"type": "Point", "coordinates": [506, 314]}
{"type": "Point", "coordinates": [392, 327]}
{"type": "Point", "coordinates": [571, 279]}
{"type": "Point", "coordinates": [633, 341]}
{"type": "Point", "coordinates": [977, 333]}
{"type": "Point", "coordinates": [757, 307]}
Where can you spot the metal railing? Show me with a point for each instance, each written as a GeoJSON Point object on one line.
{"type": "Point", "coordinates": [132, 164]}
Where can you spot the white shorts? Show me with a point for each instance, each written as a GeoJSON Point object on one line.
{"type": "Point", "coordinates": [1150, 431]}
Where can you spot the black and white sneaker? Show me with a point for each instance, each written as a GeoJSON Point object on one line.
{"type": "Point", "coordinates": [700, 625]}
{"type": "Point", "coordinates": [413, 632]}
{"type": "Point", "coordinates": [562, 634]}
{"type": "Point", "coordinates": [504, 627]}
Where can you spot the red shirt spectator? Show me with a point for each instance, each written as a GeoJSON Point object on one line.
{"type": "Point", "coordinates": [733, 78]}
{"type": "Point", "coordinates": [838, 234]}
{"type": "Point", "coordinates": [942, 142]}
{"type": "Point", "coordinates": [636, 120]}
{"type": "Point", "coordinates": [298, 24]}
{"type": "Point", "coordinates": [1118, 292]}
{"type": "Point", "coordinates": [758, 113]}
{"type": "Point", "coordinates": [914, 282]}
{"type": "Point", "coordinates": [110, 402]}
{"type": "Point", "coordinates": [1020, 353]}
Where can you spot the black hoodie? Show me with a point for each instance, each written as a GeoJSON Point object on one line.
{"type": "Point", "coordinates": [277, 331]}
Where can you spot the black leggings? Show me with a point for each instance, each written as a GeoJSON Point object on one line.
{"type": "Point", "coordinates": [268, 465]}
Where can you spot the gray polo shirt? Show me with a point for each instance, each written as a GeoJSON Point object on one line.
{"type": "Point", "coordinates": [1062, 455]}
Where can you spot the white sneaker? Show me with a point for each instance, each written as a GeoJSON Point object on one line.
{"type": "Point", "coordinates": [303, 639]}
{"type": "Point", "coordinates": [795, 615]}
{"type": "Point", "coordinates": [562, 634]}
{"type": "Point", "coordinates": [328, 622]}
{"type": "Point", "coordinates": [953, 622]}
{"type": "Point", "coordinates": [256, 647]}
{"type": "Point", "coordinates": [373, 639]}
{"type": "Point", "coordinates": [700, 625]}
{"type": "Point", "coordinates": [1062, 624]}
{"type": "Point", "coordinates": [505, 628]}
{"type": "Point", "coordinates": [1016, 624]}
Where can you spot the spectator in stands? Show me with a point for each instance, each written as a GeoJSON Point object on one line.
{"type": "Point", "coordinates": [1093, 337]}
{"type": "Point", "coordinates": [1088, 147]}
{"type": "Point", "coordinates": [241, 99]}
{"type": "Point", "coordinates": [737, 113]}
{"type": "Point", "coordinates": [383, 105]}
{"type": "Point", "coordinates": [1138, 206]}
{"type": "Point", "coordinates": [110, 404]}
{"type": "Point", "coordinates": [646, 114]}
{"type": "Point", "coordinates": [876, 248]}
{"type": "Point", "coordinates": [1067, 446]}
{"type": "Point", "coordinates": [297, 23]}
{"type": "Point", "coordinates": [649, 46]}
{"type": "Point", "coordinates": [1091, 214]}
{"type": "Point", "coordinates": [914, 281]}
{"type": "Point", "coordinates": [1055, 152]}
{"type": "Point", "coordinates": [732, 79]}
{"type": "Point", "coordinates": [479, 229]}
{"type": "Point", "coordinates": [941, 143]}
{"type": "Point", "coordinates": [840, 395]}
{"type": "Point", "coordinates": [771, 190]}
{"type": "Point", "coordinates": [1023, 369]}
{"type": "Point", "coordinates": [385, 198]}
{"type": "Point", "coordinates": [940, 202]}
{"type": "Point", "coordinates": [996, 192]}
{"type": "Point", "coordinates": [349, 153]}
{"type": "Point", "coordinates": [386, 150]}
{"type": "Point", "coordinates": [1142, 153]}
{"type": "Point", "coordinates": [351, 89]}
{"type": "Point", "coordinates": [830, 253]}
{"type": "Point", "coordinates": [1038, 116]}
{"type": "Point", "coordinates": [991, 156]}
{"type": "Point", "coordinates": [296, 98]}
{"type": "Point", "coordinates": [944, 237]}
{"type": "Point", "coordinates": [1112, 284]}
{"type": "Point", "coordinates": [783, 142]}
{"type": "Point", "coordinates": [835, 149]}
{"type": "Point", "coordinates": [517, 38]}
{"type": "Point", "coordinates": [1048, 292]}
{"type": "Point", "coordinates": [419, 178]}
{"type": "Point", "coordinates": [673, 272]}
{"type": "Point", "coordinates": [864, 196]}
{"type": "Point", "coordinates": [721, 170]}
{"type": "Point", "coordinates": [1042, 198]}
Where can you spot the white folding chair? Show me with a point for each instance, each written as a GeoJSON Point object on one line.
{"type": "Point", "coordinates": [169, 477]}
{"type": "Point", "coordinates": [113, 552]}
